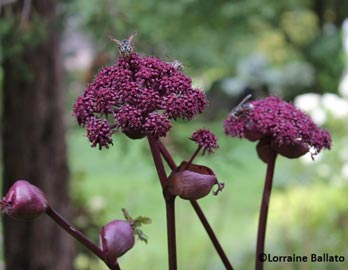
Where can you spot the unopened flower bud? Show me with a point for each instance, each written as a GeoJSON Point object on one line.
{"type": "Point", "coordinates": [115, 239]}
{"type": "Point", "coordinates": [192, 183]}
{"type": "Point", "coordinates": [24, 201]}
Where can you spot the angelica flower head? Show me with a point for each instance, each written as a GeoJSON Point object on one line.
{"type": "Point", "coordinates": [205, 139]}
{"type": "Point", "coordinates": [280, 126]}
{"type": "Point", "coordinates": [137, 96]}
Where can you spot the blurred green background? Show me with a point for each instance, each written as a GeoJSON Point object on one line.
{"type": "Point", "coordinates": [271, 47]}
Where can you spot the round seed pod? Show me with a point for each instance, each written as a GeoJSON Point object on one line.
{"type": "Point", "coordinates": [24, 201]}
{"type": "Point", "coordinates": [192, 182]}
{"type": "Point", "coordinates": [115, 239]}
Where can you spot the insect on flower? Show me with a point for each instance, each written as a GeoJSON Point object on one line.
{"type": "Point", "coordinates": [242, 108]}
{"type": "Point", "coordinates": [177, 65]}
{"type": "Point", "coordinates": [125, 46]}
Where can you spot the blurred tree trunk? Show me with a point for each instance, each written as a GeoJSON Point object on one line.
{"type": "Point", "coordinates": [34, 146]}
{"type": "Point", "coordinates": [334, 11]}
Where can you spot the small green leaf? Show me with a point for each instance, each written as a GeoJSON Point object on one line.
{"type": "Point", "coordinates": [142, 220]}
{"type": "Point", "coordinates": [136, 223]}
{"type": "Point", "coordinates": [143, 237]}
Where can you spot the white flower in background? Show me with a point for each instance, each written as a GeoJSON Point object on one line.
{"type": "Point", "coordinates": [343, 87]}
{"type": "Point", "coordinates": [97, 203]}
{"type": "Point", "coordinates": [308, 102]}
{"type": "Point", "coordinates": [318, 106]}
{"type": "Point", "coordinates": [335, 105]}
{"type": "Point", "coordinates": [311, 104]}
{"type": "Point", "coordinates": [345, 35]}
{"type": "Point", "coordinates": [344, 171]}
{"type": "Point", "coordinates": [307, 159]}
{"type": "Point", "coordinates": [319, 116]}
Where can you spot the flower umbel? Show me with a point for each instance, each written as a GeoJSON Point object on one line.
{"type": "Point", "coordinates": [205, 139]}
{"type": "Point", "coordinates": [280, 127]}
{"type": "Point", "coordinates": [137, 96]}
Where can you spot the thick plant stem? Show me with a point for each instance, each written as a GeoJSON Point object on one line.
{"type": "Point", "coordinates": [170, 203]}
{"type": "Point", "coordinates": [157, 160]}
{"type": "Point", "coordinates": [193, 156]}
{"type": "Point", "coordinates": [68, 227]}
{"type": "Point", "coordinates": [211, 235]}
{"type": "Point", "coordinates": [199, 213]}
{"type": "Point", "coordinates": [170, 212]}
{"type": "Point", "coordinates": [168, 158]}
{"type": "Point", "coordinates": [261, 234]}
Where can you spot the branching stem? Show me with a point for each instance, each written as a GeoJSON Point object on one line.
{"type": "Point", "coordinates": [68, 227]}
{"type": "Point", "coordinates": [198, 210]}
{"type": "Point", "coordinates": [170, 203]}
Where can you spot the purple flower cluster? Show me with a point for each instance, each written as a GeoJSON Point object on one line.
{"type": "Point", "coordinates": [279, 124]}
{"type": "Point", "coordinates": [99, 132]}
{"type": "Point", "coordinates": [137, 96]}
{"type": "Point", "coordinates": [205, 139]}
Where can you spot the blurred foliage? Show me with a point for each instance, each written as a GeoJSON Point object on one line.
{"type": "Point", "coordinates": [305, 220]}
{"type": "Point", "coordinates": [212, 36]}
{"type": "Point", "coordinates": [22, 29]}
{"type": "Point", "coordinates": [17, 37]}
{"type": "Point", "coordinates": [309, 220]}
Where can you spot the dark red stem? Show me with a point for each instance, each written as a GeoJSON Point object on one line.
{"type": "Point", "coordinates": [261, 233]}
{"type": "Point", "coordinates": [193, 156]}
{"type": "Point", "coordinates": [170, 213]}
{"type": "Point", "coordinates": [211, 235]}
{"type": "Point", "coordinates": [68, 227]}
{"type": "Point", "coordinates": [157, 160]}
{"type": "Point", "coordinates": [199, 212]}
{"type": "Point", "coordinates": [170, 203]}
{"type": "Point", "coordinates": [168, 158]}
